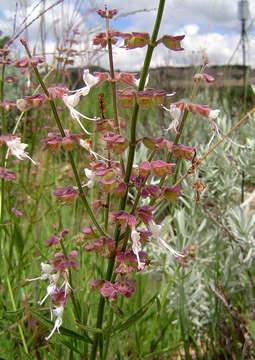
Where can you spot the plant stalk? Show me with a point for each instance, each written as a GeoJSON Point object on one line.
{"type": "Point", "coordinates": [70, 157]}
{"type": "Point", "coordinates": [129, 166]}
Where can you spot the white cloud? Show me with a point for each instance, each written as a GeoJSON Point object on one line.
{"type": "Point", "coordinates": [211, 28]}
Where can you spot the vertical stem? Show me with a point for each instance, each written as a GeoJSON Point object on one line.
{"type": "Point", "coordinates": [3, 132]}
{"type": "Point", "coordinates": [114, 89]}
{"type": "Point", "coordinates": [76, 308]}
{"type": "Point", "coordinates": [130, 161]}
{"type": "Point", "coordinates": [15, 309]}
{"type": "Point", "coordinates": [70, 157]}
{"type": "Point", "coordinates": [242, 187]}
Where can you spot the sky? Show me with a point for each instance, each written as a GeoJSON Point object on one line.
{"type": "Point", "coordinates": [211, 28]}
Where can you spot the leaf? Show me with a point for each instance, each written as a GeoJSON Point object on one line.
{"type": "Point", "coordinates": [116, 309]}
{"type": "Point", "coordinates": [133, 318]}
{"type": "Point", "coordinates": [18, 238]}
{"type": "Point", "coordinates": [70, 346]}
{"type": "Point", "coordinates": [252, 326]}
{"type": "Point", "coordinates": [12, 315]}
{"type": "Point", "coordinates": [163, 351]}
{"type": "Point", "coordinates": [87, 328]}
{"type": "Point", "coordinates": [63, 330]}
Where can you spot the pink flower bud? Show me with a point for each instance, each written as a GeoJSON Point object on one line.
{"type": "Point", "coordinates": [145, 213]}
{"type": "Point", "coordinates": [96, 285]}
{"type": "Point", "coordinates": [153, 143]}
{"type": "Point", "coordinates": [67, 143]}
{"type": "Point", "coordinates": [206, 77]}
{"type": "Point", "coordinates": [128, 78]}
{"type": "Point", "coordinates": [172, 42]}
{"type": "Point", "coordinates": [16, 212]}
{"type": "Point", "coordinates": [120, 217]}
{"type": "Point", "coordinates": [52, 241]}
{"type": "Point", "coordinates": [120, 190]}
{"type": "Point", "coordinates": [202, 110]}
{"type": "Point", "coordinates": [145, 99]}
{"type": "Point", "coordinates": [127, 97]}
{"type": "Point", "coordinates": [66, 195]}
{"type": "Point", "coordinates": [161, 168]}
{"type": "Point", "coordinates": [104, 125]}
{"type": "Point", "coordinates": [144, 169]}
{"type": "Point", "coordinates": [7, 105]}
{"type": "Point", "coordinates": [117, 143]}
{"type": "Point", "coordinates": [171, 193]}
{"type": "Point", "coordinates": [158, 97]}
{"type": "Point", "coordinates": [7, 175]}
{"type": "Point", "coordinates": [107, 14]}
{"type": "Point", "coordinates": [151, 190]}
{"type": "Point", "coordinates": [183, 151]}
{"type": "Point", "coordinates": [90, 233]}
{"type": "Point", "coordinates": [135, 40]}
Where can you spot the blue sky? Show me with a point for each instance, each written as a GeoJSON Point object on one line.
{"type": "Point", "coordinates": [211, 28]}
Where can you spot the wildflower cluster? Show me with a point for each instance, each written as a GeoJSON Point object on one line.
{"type": "Point", "coordinates": [58, 270]}
{"type": "Point", "coordinates": [129, 195]}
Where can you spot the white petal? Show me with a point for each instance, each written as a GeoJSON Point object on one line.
{"type": "Point", "coordinates": [213, 114]}
{"type": "Point", "coordinates": [165, 245]}
{"type": "Point", "coordinates": [89, 79]}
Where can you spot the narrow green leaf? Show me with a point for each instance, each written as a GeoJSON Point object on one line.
{"type": "Point", "coordinates": [70, 346]}
{"type": "Point", "coordinates": [116, 309]}
{"type": "Point", "coordinates": [18, 238]}
{"type": "Point", "coordinates": [87, 328]}
{"type": "Point", "coordinates": [12, 315]}
{"type": "Point", "coordinates": [63, 330]}
{"type": "Point", "coordinates": [163, 351]}
{"type": "Point", "coordinates": [133, 318]}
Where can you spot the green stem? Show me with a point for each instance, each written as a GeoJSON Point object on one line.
{"type": "Point", "coordinates": [76, 308]}
{"type": "Point", "coordinates": [108, 337]}
{"type": "Point", "coordinates": [3, 132]}
{"type": "Point", "coordinates": [130, 161]}
{"type": "Point", "coordinates": [138, 195]}
{"type": "Point", "coordinates": [114, 90]}
{"type": "Point", "coordinates": [70, 157]}
{"type": "Point", "coordinates": [181, 127]}
{"type": "Point", "coordinates": [15, 309]}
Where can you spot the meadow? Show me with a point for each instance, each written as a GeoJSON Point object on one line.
{"type": "Point", "coordinates": [126, 211]}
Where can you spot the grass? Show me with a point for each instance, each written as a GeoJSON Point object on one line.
{"type": "Point", "coordinates": [200, 311]}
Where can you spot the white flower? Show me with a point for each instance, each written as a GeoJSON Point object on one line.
{"type": "Point", "coordinates": [66, 282]}
{"type": "Point", "coordinates": [90, 80]}
{"type": "Point", "coordinates": [137, 81]}
{"type": "Point", "coordinates": [86, 146]}
{"type": "Point", "coordinates": [165, 245]}
{"type": "Point", "coordinates": [50, 291]}
{"type": "Point", "coordinates": [58, 313]}
{"type": "Point", "coordinates": [17, 148]}
{"type": "Point", "coordinates": [156, 231]}
{"type": "Point", "coordinates": [91, 176]}
{"type": "Point", "coordinates": [47, 269]}
{"type": "Point", "coordinates": [136, 247]}
{"type": "Point", "coordinates": [213, 114]}
{"type": "Point", "coordinates": [73, 100]}
{"type": "Point", "coordinates": [175, 113]}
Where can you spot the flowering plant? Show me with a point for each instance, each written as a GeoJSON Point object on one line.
{"type": "Point", "coordinates": [124, 204]}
